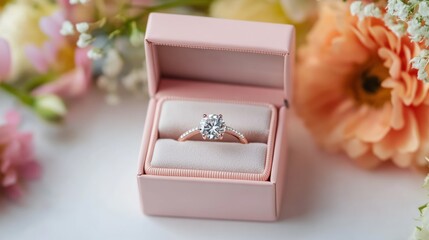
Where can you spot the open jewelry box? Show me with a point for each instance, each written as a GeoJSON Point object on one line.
{"type": "Point", "coordinates": [200, 65]}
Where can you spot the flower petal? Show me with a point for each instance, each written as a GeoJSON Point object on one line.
{"type": "Point", "coordinates": [400, 142]}
{"type": "Point", "coordinates": [30, 170]}
{"type": "Point", "coordinates": [391, 62]}
{"type": "Point", "coordinates": [397, 120]}
{"type": "Point", "coordinates": [375, 125]}
{"type": "Point", "coordinates": [13, 118]}
{"type": "Point", "coordinates": [355, 148]}
{"type": "Point", "coordinates": [368, 161]}
{"type": "Point", "coordinates": [13, 192]}
{"type": "Point", "coordinates": [51, 25]}
{"type": "Point", "coordinates": [410, 90]}
{"type": "Point", "coordinates": [5, 59]}
{"type": "Point", "coordinates": [70, 84]}
{"type": "Point", "coordinates": [37, 58]}
{"type": "Point", "coordinates": [403, 159]}
{"type": "Point", "coordinates": [50, 50]}
{"type": "Point", "coordinates": [9, 178]}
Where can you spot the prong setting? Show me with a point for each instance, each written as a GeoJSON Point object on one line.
{"type": "Point", "coordinates": [212, 127]}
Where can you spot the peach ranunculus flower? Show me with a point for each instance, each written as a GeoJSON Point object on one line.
{"type": "Point", "coordinates": [357, 92]}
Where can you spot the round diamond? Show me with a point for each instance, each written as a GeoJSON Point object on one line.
{"type": "Point", "coordinates": [212, 127]}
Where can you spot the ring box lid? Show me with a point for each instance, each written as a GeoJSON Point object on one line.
{"type": "Point", "coordinates": [202, 49]}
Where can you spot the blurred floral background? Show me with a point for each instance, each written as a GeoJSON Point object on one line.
{"type": "Point", "coordinates": [360, 86]}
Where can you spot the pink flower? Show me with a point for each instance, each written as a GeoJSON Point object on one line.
{"type": "Point", "coordinates": [5, 59]}
{"type": "Point", "coordinates": [17, 162]}
{"type": "Point", "coordinates": [61, 56]}
{"type": "Point", "coordinates": [357, 92]}
{"type": "Point", "coordinates": [78, 12]}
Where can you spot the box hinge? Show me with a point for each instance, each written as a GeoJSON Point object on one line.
{"type": "Point", "coordinates": [286, 103]}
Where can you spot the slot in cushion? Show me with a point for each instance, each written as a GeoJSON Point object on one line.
{"type": "Point", "coordinates": [214, 159]}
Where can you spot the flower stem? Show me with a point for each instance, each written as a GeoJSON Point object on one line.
{"type": "Point", "coordinates": [23, 97]}
{"type": "Point", "coordinates": [37, 81]}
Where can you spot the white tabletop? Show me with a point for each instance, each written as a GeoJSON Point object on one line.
{"type": "Point", "coordinates": [88, 189]}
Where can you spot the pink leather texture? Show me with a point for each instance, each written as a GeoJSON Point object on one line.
{"type": "Point", "coordinates": [208, 198]}
{"type": "Point", "coordinates": [211, 90]}
{"type": "Point", "coordinates": [214, 198]}
{"type": "Point", "coordinates": [241, 68]}
{"type": "Point", "coordinates": [219, 50]}
{"type": "Point", "coordinates": [216, 60]}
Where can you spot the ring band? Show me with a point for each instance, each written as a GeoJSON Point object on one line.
{"type": "Point", "coordinates": [212, 127]}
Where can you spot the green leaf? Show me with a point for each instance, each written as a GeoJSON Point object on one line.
{"type": "Point", "coordinates": [37, 81]}
{"type": "Point", "coordinates": [423, 207]}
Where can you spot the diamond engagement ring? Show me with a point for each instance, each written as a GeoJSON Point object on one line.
{"type": "Point", "coordinates": [212, 127]}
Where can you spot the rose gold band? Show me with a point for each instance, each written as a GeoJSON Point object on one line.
{"type": "Point", "coordinates": [195, 131]}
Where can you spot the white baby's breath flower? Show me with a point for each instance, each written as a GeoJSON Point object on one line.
{"type": "Point", "coordinates": [400, 9]}
{"type": "Point", "coordinates": [113, 99]}
{"type": "Point", "coordinates": [371, 10]}
{"type": "Point", "coordinates": [400, 28]}
{"type": "Point", "coordinates": [425, 219]}
{"type": "Point", "coordinates": [84, 40]}
{"type": "Point", "coordinates": [416, 30]}
{"type": "Point", "coordinates": [390, 8]}
{"type": "Point", "coordinates": [82, 27]}
{"type": "Point", "coordinates": [67, 28]}
{"type": "Point", "coordinates": [135, 80]}
{"type": "Point", "coordinates": [420, 234]}
{"type": "Point", "coordinates": [107, 84]}
{"type": "Point", "coordinates": [424, 9]}
{"type": "Point", "coordinates": [95, 53]}
{"type": "Point", "coordinates": [110, 85]}
{"type": "Point", "coordinates": [397, 26]}
{"type": "Point", "coordinates": [420, 63]}
{"type": "Point", "coordinates": [423, 75]}
{"type": "Point", "coordinates": [356, 8]}
{"type": "Point", "coordinates": [113, 64]}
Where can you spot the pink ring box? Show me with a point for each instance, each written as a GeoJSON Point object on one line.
{"type": "Point", "coordinates": [237, 64]}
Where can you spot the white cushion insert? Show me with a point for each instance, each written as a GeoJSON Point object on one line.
{"type": "Point", "coordinates": [215, 156]}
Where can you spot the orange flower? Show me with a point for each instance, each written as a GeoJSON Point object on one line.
{"type": "Point", "coordinates": [357, 92]}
